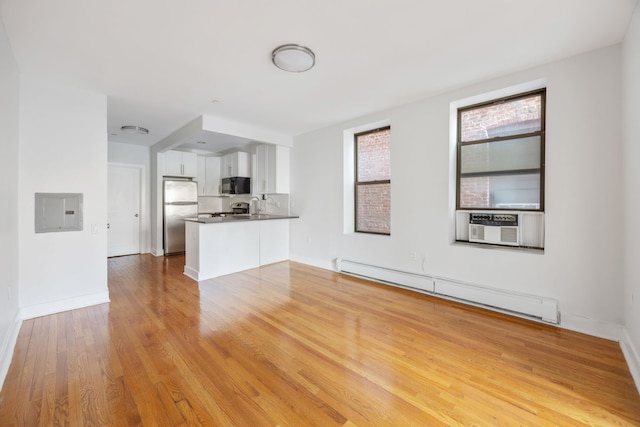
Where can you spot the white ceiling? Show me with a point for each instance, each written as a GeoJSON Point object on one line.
{"type": "Point", "coordinates": [162, 63]}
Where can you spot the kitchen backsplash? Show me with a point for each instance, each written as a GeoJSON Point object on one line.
{"type": "Point", "coordinates": [273, 204]}
{"type": "Point", "coordinates": [276, 204]}
{"type": "Point", "coordinates": [209, 204]}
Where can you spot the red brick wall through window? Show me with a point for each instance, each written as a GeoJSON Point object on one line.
{"type": "Point", "coordinates": [373, 201]}
{"type": "Point", "coordinates": [490, 121]}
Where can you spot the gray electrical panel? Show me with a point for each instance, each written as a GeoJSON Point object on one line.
{"type": "Point", "coordinates": [55, 212]}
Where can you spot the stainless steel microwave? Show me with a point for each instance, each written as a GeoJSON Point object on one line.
{"type": "Point", "coordinates": [236, 185]}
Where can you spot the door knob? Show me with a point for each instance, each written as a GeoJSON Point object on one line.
{"type": "Point", "coordinates": [136, 215]}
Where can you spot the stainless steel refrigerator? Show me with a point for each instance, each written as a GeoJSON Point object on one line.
{"type": "Point", "coordinates": [180, 202]}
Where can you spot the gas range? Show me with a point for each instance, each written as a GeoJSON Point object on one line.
{"type": "Point", "coordinates": [221, 214]}
{"type": "Point", "coordinates": [214, 214]}
{"type": "Point", "coordinates": [238, 208]}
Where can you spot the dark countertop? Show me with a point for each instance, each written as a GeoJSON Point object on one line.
{"type": "Point", "coordinates": [239, 218]}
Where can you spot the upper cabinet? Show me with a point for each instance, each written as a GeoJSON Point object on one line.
{"type": "Point", "coordinates": [208, 176]}
{"type": "Point", "coordinates": [202, 176]}
{"type": "Point", "coordinates": [235, 164]}
{"type": "Point", "coordinates": [272, 169]}
{"type": "Point", "coordinates": [180, 163]}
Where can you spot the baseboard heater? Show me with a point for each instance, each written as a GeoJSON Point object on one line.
{"type": "Point", "coordinates": [519, 304]}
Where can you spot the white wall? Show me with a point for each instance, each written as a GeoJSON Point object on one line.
{"type": "Point", "coordinates": [9, 283]}
{"type": "Point", "coordinates": [582, 263]}
{"type": "Point", "coordinates": [138, 155]}
{"type": "Point", "coordinates": [129, 154]}
{"type": "Point", "coordinates": [63, 149]}
{"type": "Point", "coordinates": [157, 159]}
{"type": "Point", "coordinates": [631, 147]}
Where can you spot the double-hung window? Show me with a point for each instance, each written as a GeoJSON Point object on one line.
{"type": "Point", "coordinates": [500, 154]}
{"type": "Point", "coordinates": [373, 181]}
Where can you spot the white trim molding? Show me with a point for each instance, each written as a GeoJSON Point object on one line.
{"type": "Point", "coordinates": [315, 262]}
{"type": "Point", "coordinates": [157, 252]}
{"type": "Point", "coordinates": [59, 306]}
{"type": "Point", "coordinates": [585, 325]}
{"type": "Point", "coordinates": [8, 346]}
{"type": "Point", "coordinates": [632, 356]}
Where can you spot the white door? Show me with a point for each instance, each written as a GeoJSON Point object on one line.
{"type": "Point", "coordinates": [124, 211]}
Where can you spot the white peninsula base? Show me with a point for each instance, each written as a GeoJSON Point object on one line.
{"type": "Point", "coordinates": [216, 249]}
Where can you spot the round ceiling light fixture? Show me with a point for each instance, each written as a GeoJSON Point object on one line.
{"type": "Point", "coordinates": [134, 130]}
{"type": "Point", "coordinates": [293, 58]}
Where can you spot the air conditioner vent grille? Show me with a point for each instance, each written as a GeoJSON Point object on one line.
{"type": "Point", "coordinates": [477, 232]}
{"type": "Point", "coordinates": [496, 235]}
{"type": "Point", "coordinates": [509, 234]}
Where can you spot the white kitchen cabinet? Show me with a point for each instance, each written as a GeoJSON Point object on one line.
{"type": "Point", "coordinates": [201, 178]}
{"type": "Point", "coordinates": [235, 164]}
{"type": "Point", "coordinates": [190, 164]}
{"type": "Point", "coordinates": [272, 169]}
{"type": "Point", "coordinates": [173, 163]}
{"type": "Point", "coordinates": [208, 176]}
{"type": "Point", "coordinates": [180, 163]}
{"type": "Point", "coordinates": [212, 176]}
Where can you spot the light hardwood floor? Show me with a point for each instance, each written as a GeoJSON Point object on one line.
{"type": "Point", "coordinates": [292, 345]}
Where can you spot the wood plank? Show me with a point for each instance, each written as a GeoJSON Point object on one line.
{"type": "Point", "coordinates": [292, 345]}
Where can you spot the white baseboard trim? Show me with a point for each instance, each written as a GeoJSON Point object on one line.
{"type": "Point", "coordinates": [593, 327]}
{"type": "Point", "coordinates": [8, 346]}
{"type": "Point", "coordinates": [632, 356]}
{"type": "Point", "coordinates": [325, 265]}
{"type": "Point", "coordinates": [59, 306]}
{"type": "Point", "coordinates": [157, 252]}
{"type": "Point", "coordinates": [191, 273]}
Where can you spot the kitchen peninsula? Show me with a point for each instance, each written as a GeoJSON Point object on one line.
{"type": "Point", "coordinates": [223, 245]}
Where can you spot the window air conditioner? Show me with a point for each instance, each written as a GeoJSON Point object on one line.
{"type": "Point", "coordinates": [497, 229]}
{"type": "Point", "coordinates": [525, 229]}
